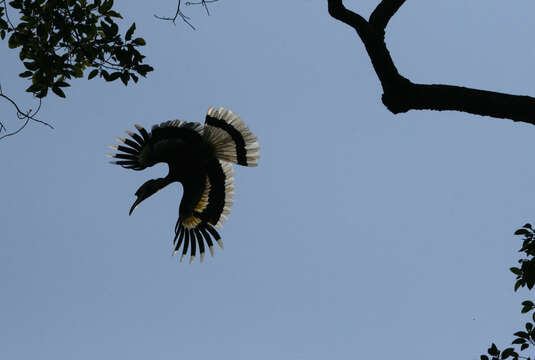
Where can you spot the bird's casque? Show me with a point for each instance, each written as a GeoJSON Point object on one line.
{"type": "Point", "coordinates": [200, 157]}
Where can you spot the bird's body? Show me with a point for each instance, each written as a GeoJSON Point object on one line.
{"type": "Point", "coordinates": [199, 157]}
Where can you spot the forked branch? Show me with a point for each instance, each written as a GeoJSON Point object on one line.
{"type": "Point", "coordinates": [401, 95]}
{"type": "Point", "coordinates": [26, 116]}
{"type": "Point", "coordinates": [384, 12]}
{"type": "Point", "coordinates": [183, 16]}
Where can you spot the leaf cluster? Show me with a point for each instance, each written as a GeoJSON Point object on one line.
{"type": "Point", "coordinates": [60, 39]}
{"type": "Point", "coordinates": [525, 273]}
{"type": "Point", "coordinates": [496, 354]}
{"type": "Point", "coordinates": [525, 277]}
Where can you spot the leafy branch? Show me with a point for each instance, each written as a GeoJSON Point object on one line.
{"type": "Point", "coordinates": [60, 39]}
{"type": "Point", "coordinates": [525, 277]}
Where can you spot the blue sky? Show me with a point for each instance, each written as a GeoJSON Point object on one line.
{"type": "Point", "coordinates": [360, 234]}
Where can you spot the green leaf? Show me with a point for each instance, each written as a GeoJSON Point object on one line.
{"type": "Point", "coordinates": [33, 88]}
{"type": "Point", "coordinates": [527, 306]}
{"type": "Point", "coordinates": [516, 271]}
{"type": "Point", "coordinates": [125, 76]}
{"type": "Point", "coordinates": [130, 31]}
{"type": "Point", "coordinates": [26, 74]}
{"type": "Point", "coordinates": [144, 69]}
{"type": "Point", "coordinates": [92, 74]}
{"type": "Point", "coordinates": [16, 4]}
{"type": "Point", "coordinates": [13, 41]}
{"type": "Point", "coordinates": [104, 74]}
{"type": "Point", "coordinates": [31, 65]}
{"type": "Point", "coordinates": [519, 341]}
{"type": "Point", "coordinates": [521, 334]}
{"type": "Point", "coordinates": [58, 91]}
{"type": "Point", "coordinates": [139, 41]}
{"type": "Point", "coordinates": [508, 352]}
{"type": "Point", "coordinates": [493, 350]}
{"type": "Point", "coordinates": [61, 84]}
{"type": "Point", "coordinates": [105, 7]}
{"type": "Point", "coordinates": [521, 232]}
{"type": "Point", "coordinates": [484, 357]}
{"type": "Point", "coordinates": [524, 346]}
{"type": "Point", "coordinates": [77, 72]}
{"type": "Point", "coordinates": [113, 76]}
{"type": "Point", "coordinates": [114, 14]}
{"type": "Point", "coordinates": [114, 29]}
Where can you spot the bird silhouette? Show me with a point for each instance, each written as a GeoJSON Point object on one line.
{"type": "Point", "coordinates": [200, 157]}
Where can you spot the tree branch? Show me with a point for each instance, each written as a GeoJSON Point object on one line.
{"type": "Point", "coordinates": [185, 18]}
{"type": "Point", "coordinates": [383, 13]}
{"type": "Point", "coordinates": [373, 41]}
{"type": "Point", "coordinates": [401, 95]}
{"type": "Point", "coordinates": [21, 115]}
{"type": "Point", "coordinates": [410, 96]}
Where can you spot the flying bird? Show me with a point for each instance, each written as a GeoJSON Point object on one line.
{"type": "Point", "coordinates": [200, 157]}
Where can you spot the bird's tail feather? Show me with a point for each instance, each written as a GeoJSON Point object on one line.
{"type": "Point", "coordinates": [191, 237]}
{"type": "Point", "coordinates": [232, 139]}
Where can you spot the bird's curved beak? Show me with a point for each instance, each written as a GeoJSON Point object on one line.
{"type": "Point", "coordinates": [135, 204]}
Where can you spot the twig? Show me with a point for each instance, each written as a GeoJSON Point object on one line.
{"type": "Point", "coordinates": [185, 18]}
{"type": "Point", "coordinates": [28, 115]}
{"type": "Point", "coordinates": [7, 16]}
{"type": "Point", "coordinates": [203, 3]}
{"type": "Point", "coordinates": [178, 13]}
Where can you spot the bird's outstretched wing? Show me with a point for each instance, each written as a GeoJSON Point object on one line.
{"type": "Point", "coordinates": [160, 145]}
{"type": "Point", "coordinates": [206, 203]}
{"type": "Point", "coordinates": [232, 139]}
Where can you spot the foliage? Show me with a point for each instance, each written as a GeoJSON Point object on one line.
{"type": "Point", "coordinates": [525, 274]}
{"type": "Point", "coordinates": [60, 39]}
{"type": "Point", "coordinates": [525, 277]}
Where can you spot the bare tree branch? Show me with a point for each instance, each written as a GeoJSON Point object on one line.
{"type": "Point", "coordinates": [185, 18]}
{"type": "Point", "coordinates": [203, 3]}
{"type": "Point", "coordinates": [374, 43]}
{"type": "Point", "coordinates": [401, 95]}
{"type": "Point", "coordinates": [383, 13]}
{"type": "Point", "coordinates": [27, 116]}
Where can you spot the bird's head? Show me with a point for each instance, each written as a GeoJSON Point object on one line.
{"type": "Point", "coordinates": [148, 189]}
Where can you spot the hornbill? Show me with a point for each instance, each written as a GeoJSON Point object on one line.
{"type": "Point", "coordinates": [199, 157]}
